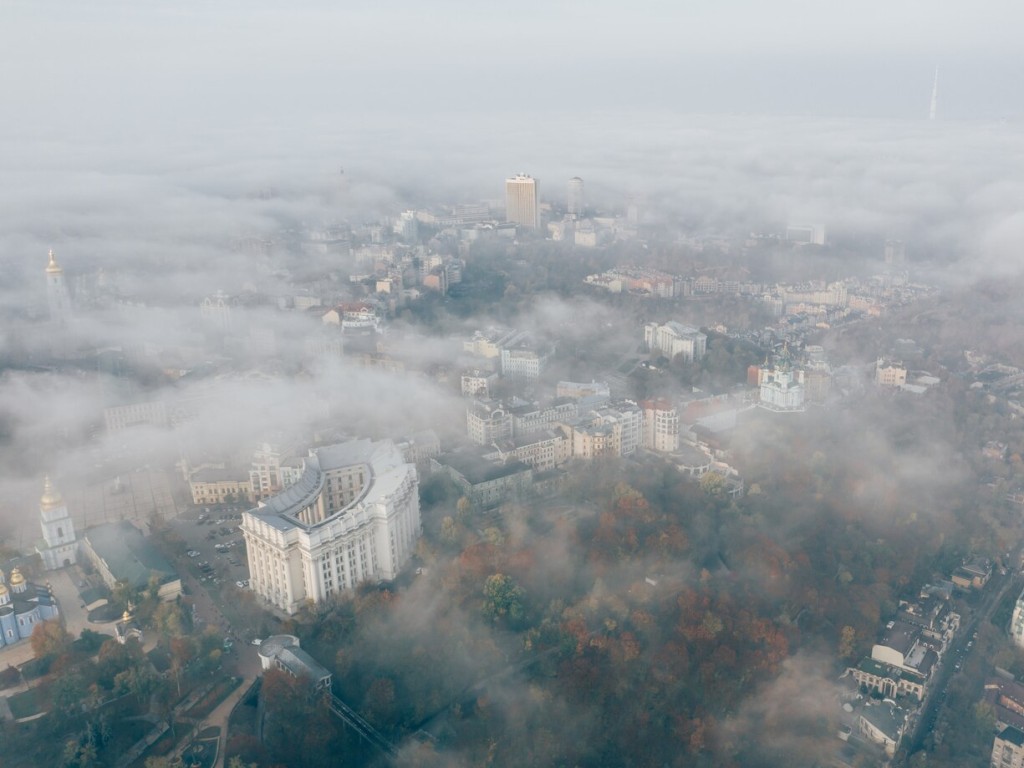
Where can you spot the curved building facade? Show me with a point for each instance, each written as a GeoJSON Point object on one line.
{"type": "Point", "coordinates": [353, 516]}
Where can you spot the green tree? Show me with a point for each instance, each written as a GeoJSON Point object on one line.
{"type": "Point", "coordinates": [169, 620]}
{"type": "Point", "coordinates": [68, 691]}
{"type": "Point", "coordinates": [503, 598]}
{"type": "Point", "coordinates": [91, 641]}
{"type": "Point", "coordinates": [124, 594]}
{"type": "Point", "coordinates": [714, 484]}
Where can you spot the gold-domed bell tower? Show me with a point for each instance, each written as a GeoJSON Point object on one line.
{"type": "Point", "coordinates": [57, 292]}
{"type": "Point", "coordinates": [59, 547]}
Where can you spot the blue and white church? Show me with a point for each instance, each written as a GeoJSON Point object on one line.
{"type": "Point", "coordinates": [23, 605]}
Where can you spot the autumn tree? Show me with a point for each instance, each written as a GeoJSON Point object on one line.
{"type": "Point", "coordinates": [50, 640]}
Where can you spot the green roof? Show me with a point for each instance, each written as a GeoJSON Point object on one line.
{"type": "Point", "coordinates": [1013, 735]}
{"type": "Point", "coordinates": [873, 667]}
{"type": "Point", "coordinates": [128, 554]}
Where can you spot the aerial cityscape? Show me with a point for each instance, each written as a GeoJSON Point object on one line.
{"type": "Point", "coordinates": [535, 386]}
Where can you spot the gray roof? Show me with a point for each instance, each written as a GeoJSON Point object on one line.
{"type": "Point", "coordinates": [885, 717]}
{"type": "Point", "coordinates": [386, 469]}
{"type": "Point", "coordinates": [476, 469]}
{"type": "Point", "coordinates": [128, 554]}
{"type": "Point", "coordinates": [901, 637]}
{"type": "Point", "coordinates": [286, 651]}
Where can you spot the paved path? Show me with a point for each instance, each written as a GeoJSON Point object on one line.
{"type": "Point", "coordinates": [219, 719]}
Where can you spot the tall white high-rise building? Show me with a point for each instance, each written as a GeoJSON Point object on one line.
{"type": "Point", "coordinates": [574, 203]}
{"type": "Point", "coordinates": [353, 516]}
{"type": "Point", "coordinates": [57, 292]}
{"type": "Point", "coordinates": [521, 201]}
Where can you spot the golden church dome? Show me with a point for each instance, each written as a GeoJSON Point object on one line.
{"type": "Point", "coordinates": [53, 268]}
{"type": "Point", "coordinates": [16, 578]}
{"type": "Point", "coordinates": [51, 496]}
{"type": "Point", "coordinates": [3, 590]}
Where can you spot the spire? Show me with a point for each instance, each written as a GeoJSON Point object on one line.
{"type": "Point", "coordinates": [935, 96]}
{"type": "Point", "coordinates": [53, 268]}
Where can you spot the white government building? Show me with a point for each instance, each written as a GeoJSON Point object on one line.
{"type": "Point", "coordinates": [674, 338]}
{"type": "Point", "coordinates": [353, 516]}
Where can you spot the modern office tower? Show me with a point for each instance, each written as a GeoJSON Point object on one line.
{"type": "Point", "coordinates": [57, 293]}
{"type": "Point", "coordinates": [574, 204]}
{"type": "Point", "coordinates": [895, 253]}
{"type": "Point", "coordinates": [521, 201]}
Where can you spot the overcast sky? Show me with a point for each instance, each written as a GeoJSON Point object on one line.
{"type": "Point", "coordinates": [130, 129]}
{"type": "Point", "coordinates": [120, 66]}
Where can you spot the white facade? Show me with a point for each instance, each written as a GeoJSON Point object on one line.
{"type": "Point", "coordinates": [661, 426]}
{"type": "Point", "coordinates": [354, 516]}
{"type": "Point", "coordinates": [216, 312]}
{"type": "Point", "coordinates": [1008, 748]}
{"type": "Point", "coordinates": [271, 472]}
{"type": "Point", "coordinates": [890, 374]}
{"type": "Point", "coordinates": [488, 423]}
{"type": "Point", "coordinates": [521, 201]}
{"type": "Point", "coordinates": [1017, 622]}
{"type": "Point", "coordinates": [781, 388]}
{"type": "Point", "coordinates": [120, 417]}
{"type": "Point", "coordinates": [59, 547]}
{"type": "Point", "coordinates": [672, 339]}
{"type": "Point", "coordinates": [477, 383]}
{"type": "Point", "coordinates": [609, 431]}
{"type": "Point", "coordinates": [541, 450]}
{"type": "Point", "coordinates": [521, 364]}
{"type": "Point", "coordinates": [574, 202]}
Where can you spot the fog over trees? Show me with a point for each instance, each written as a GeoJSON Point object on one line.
{"type": "Point", "coordinates": [213, 180]}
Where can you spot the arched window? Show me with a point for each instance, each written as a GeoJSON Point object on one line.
{"type": "Point", "coordinates": [60, 532]}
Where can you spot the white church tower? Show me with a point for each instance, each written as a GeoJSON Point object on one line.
{"type": "Point", "coordinates": [57, 292]}
{"type": "Point", "coordinates": [59, 547]}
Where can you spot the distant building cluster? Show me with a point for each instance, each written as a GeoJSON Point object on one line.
{"type": "Point", "coordinates": [512, 354]}
{"type": "Point", "coordinates": [636, 280]}
{"type": "Point", "coordinates": [905, 661]}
